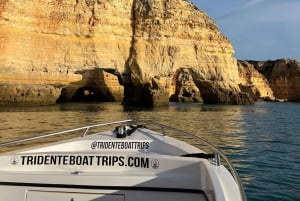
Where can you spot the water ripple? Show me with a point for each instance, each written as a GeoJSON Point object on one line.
{"type": "Point", "coordinates": [262, 141]}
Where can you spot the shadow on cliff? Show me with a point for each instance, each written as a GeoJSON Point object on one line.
{"type": "Point", "coordinates": [97, 85]}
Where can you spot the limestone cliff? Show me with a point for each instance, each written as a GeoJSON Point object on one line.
{"type": "Point", "coordinates": [254, 82]}
{"type": "Point", "coordinates": [283, 76]}
{"type": "Point", "coordinates": [73, 50]}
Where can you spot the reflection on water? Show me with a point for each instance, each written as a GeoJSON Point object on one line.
{"type": "Point", "coordinates": [20, 122]}
{"type": "Point", "coordinates": [220, 125]}
{"type": "Point", "coordinates": [262, 140]}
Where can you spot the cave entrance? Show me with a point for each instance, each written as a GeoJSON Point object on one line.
{"type": "Point", "coordinates": [88, 94]}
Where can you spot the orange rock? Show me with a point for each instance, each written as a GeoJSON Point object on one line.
{"type": "Point", "coordinates": [53, 43]}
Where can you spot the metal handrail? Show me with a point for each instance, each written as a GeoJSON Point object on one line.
{"type": "Point", "coordinates": [218, 153]}
{"type": "Point", "coordinates": [163, 128]}
{"type": "Point", "coordinates": [85, 128]}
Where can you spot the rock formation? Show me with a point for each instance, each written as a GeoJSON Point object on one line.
{"type": "Point", "coordinates": [129, 50]}
{"type": "Point", "coordinates": [186, 89]}
{"type": "Point", "coordinates": [253, 82]}
{"type": "Point", "coordinates": [283, 76]}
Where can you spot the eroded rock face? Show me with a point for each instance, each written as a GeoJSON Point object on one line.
{"type": "Point", "coordinates": [186, 89]}
{"type": "Point", "coordinates": [59, 44]}
{"type": "Point", "coordinates": [253, 82]}
{"type": "Point", "coordinates": [171, 35]}
{"type": "Point", "coordinates": [28, 94]}
{"type": "Point", "coordinates": [283, 76]}
{"type": "Point", "coordinates": [96, 85]}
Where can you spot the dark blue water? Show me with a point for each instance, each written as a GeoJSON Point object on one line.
{"type": "Point", "coordinates": [262, 141]}
{"type": "Point", "coordinates": [271, 170]}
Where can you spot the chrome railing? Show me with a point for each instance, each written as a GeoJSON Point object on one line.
{"type": "Point", "coordinates": [218, 155]}
{"type": "Point", "coordinates": [85, 130]}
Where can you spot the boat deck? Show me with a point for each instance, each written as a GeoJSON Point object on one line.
{"type": "Point", "coordinates": [130, 163]}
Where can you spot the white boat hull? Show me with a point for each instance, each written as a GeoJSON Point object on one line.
{"type": "Point", "coordinates": [100, 167]}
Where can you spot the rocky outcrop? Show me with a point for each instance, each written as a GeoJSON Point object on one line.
{"type": "Point", "coordinates": [56, 44]}
{"type": "Point", "coordinates": [186, 89]}
{"type": "Point", "coordinates": [28, 94]}
{"type": "Point", "coordinates": [96, 85]}
{"type": "Point", "coordinates": [172, 35]}
{"type": "Point", "coordinates": [253, 82]}
{"type": "Point", "coordinates": [111, 50]}
{"type": "Point", "coordinates": [283, 76]}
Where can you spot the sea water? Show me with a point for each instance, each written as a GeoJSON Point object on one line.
{"type": "Point", "coordinates": [261, 140]}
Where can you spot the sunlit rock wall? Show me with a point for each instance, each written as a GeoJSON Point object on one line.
{"type": "Point", "coordinates": [254, 82]}
{"type": "Point", "coordinates": [283, 76]}
{"type": "Point", "coordinates": [52, 44]}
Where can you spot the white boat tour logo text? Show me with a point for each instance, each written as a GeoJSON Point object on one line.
{"type": "Point", "coordinates": [85, 160]}
{"type": "Point", "coordinates": [121, 145]}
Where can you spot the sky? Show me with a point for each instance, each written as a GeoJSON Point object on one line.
{"type": "Point", "coordinates": [257, 29]}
